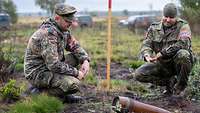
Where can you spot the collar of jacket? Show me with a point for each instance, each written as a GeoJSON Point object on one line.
{"type": "Point", "coordinates": [159, 25]}
{"type": "Point", "coordinates": [51, 24]}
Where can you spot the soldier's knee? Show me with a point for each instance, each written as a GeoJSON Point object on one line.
{"type": "Point", "coordinates": [67, 84]}
{"type": "Point", "coordinates": [138, 75]}
{"type": "Point", "coordinates": [182, 56]}
{"type": "Point", "coordinates": [74, 85]}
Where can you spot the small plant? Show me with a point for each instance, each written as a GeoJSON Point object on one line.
{"type": "Point", "coordinates": [10, 91]}
{"type": "Point", "coordinates": [138, 88]}
{"type": "Point", "coordinates": [136, 64]}
{"type": "Point", "coordinates": [38, 104]}
{"type": "Point", "coordinates": [115, 85]}
{"type": "Point", "coordinates": [19, 67]}
{"type": "Point", "coordinates": [22, 107]}
{"type": "Point", "coordinates": [91, 79]}
{"type": "Point", "coordinates": [194, 82]}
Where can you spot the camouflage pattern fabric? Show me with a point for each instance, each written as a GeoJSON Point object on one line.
{"type": "Point", "coordinates": [174, 44]}
{"type": "Point", "coordinates": [64, 9]}
{"type": "Point", "coordinates": [45, 64]}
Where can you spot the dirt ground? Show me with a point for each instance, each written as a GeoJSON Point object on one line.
{"type": "Point", "coordinates": [100, 101]}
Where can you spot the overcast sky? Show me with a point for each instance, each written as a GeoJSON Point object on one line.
{"type": "Point", "coordinates": [99, 5]}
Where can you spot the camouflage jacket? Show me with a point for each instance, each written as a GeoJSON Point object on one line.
{"type": "Point", "coordinates": [45, 51]}
{"type": "Point", "coordinates": [167, 41]}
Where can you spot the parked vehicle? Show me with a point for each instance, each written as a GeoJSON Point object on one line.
{"type": "Point", "coordinates": [140, 23]}
{"type": "Point", "coordinates": [5, 21]}
{"type": "Point", "coordinates": [123, 23]}
{"type": "Point", "coordinates": [84, 20]}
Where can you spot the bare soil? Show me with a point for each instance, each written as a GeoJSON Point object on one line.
{"type": "Point", "coordinates": [98, 101]}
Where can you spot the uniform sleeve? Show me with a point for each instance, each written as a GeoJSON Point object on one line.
{"type": "Point", "coordinates": [50, 55]}
{"type": "Point", "coordinates": [73, 46]}
{"type": "Point", "coordinates": [146, 48]}
{"type": "Point", "coordinates": [183, 42]}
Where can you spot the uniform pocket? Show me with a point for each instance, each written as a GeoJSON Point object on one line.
{"type": "Point", "coordinates": [157, 46]}
{"type": "Point", "coordinates": [43, 79]}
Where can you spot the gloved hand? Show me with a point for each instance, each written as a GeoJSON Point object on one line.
{"type": "Point", "coordinates": [85, 67]}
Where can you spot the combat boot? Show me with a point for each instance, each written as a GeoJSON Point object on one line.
{"type": "Point", "coordinates": [170, 87]}
{"type": "Point", "coordinates": [32, 90]}
{"type": "Point", "coordinates": [73, 99]}
{"type": "Point", "coordinates": [168, 91]}
{"type": "Point", "coordinates": [179, 89]}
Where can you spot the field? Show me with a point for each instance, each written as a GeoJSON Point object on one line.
{"type": "Point", "coordinates": [124, 60]}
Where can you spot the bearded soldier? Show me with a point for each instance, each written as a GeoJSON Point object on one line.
{"type": "Point", "coordinates": [167, 51]}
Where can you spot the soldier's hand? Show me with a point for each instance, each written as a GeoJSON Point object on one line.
{"type": "Point", "coordinates": [80, 75]}
{"type": "Point", "coordinates": [155, 58]}
{"type": "Point", "coordinates": [85, 67]}
{"type": "Point", "coordinates": [149, 59]}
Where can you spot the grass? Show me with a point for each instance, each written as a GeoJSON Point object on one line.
{"type": "Point", "coordinates": [125, 45]}
{"type": "Point", "coordinates": [196, 45]}
{"type": "Point", "coordinates": [19, 67]}
{"type": "Point", "coordinates": [136, 63]}
{"type": "Point", "coordinates": [91, 79]}
{"type": "Point", "coordinates": [194, 83]}
{"type": "Point", "coordinates": [38, 104]}
{"type": "Point", "coordinates": [115, 85]}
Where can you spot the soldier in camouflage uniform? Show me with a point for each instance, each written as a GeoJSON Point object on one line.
{"type": "Point", "coordinates": [167, 51]}
{"type": "Point", "coordinates": [46, 65]}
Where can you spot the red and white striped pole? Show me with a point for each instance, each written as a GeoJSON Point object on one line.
{"type": "Point", "coordinates": [109, 44]}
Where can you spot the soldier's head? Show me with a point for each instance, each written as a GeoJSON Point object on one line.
{"type": "Point", "coordinates": [64, 15]}
{"type": "Point", "coordinates": [169, 14]}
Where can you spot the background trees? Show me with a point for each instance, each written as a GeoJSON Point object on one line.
{"type": "Point", "coordinates": [191, 11]}
{"type": "Point", "coordinates": [48, 5]}
{"type": "Point", "coordinates": [9, 7]}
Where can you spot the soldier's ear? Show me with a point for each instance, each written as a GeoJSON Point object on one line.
{"type": "Point", "coordinates": [57, 17]}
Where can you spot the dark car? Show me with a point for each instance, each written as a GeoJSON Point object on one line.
{"type": "Point", "coordinates": [5, 21]}
{"type": "Point", "coordinates": [84, 20]}
{"type": "Point", "coordinates": [140, 23]}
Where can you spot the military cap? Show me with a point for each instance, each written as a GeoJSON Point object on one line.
{"type": "Point", "coordinates": [65, 11]}
{"type": "Point", "coordinates": [170, 10]}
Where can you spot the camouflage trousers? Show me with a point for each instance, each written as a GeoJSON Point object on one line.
{"type": "Point", "coordinates": [55, 83]}
{"type": "Point", "coordinates": [163, 71]}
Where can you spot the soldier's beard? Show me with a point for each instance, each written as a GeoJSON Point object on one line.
{"type": "Point", "coordinates": [169, 23]}
{"type": "Point", "coordinates": [166, 24]}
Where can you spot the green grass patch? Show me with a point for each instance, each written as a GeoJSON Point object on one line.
{"type": "Point", "coordinates": [115, 85]}
{"type": "Point", "coordinates": [194, 83]}
{"type": "Point", "coordinates": [10, 91]}
{"type": "Point", "coordinates": [91, 79]}
{"type": "Point", "coordinates": [136, 63]}
{"type": "Point", "coordinates": [38, 104]}
{"type": "Point", "coordinates": [138, 88]}
{"type": "Point", "coordinates": [19, 67]}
